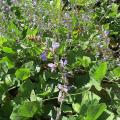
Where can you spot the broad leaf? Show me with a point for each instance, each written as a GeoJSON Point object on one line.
{"type": "Point", "coordinates": [2, 40]}
{"type": "Point", "coordinates": [58, 4]}
{"type": "Point", "coordinates": [94, 111]}
{"type": "Point", "coordinates": [76, 107]}
{"type": "Point", "coordinates": [98, 72]}
{"type": "Point", "coordinates": [8, 50]}
{"type": "Point", "coordinates": [26, 110]}
{"type": "Point", "coordinates": [86, 61]}
{"type": "Point", "coordinates": [9, 63]}
{"type": "Point", "coordinates": [28, 65]}
{"type": "Point", "coordinates": [22, 73]}
{"type": "Point", "coordinates": [116, 72]}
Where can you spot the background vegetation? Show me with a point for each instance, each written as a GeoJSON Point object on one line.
{"type": "Point", "coordinates": [59, 60]}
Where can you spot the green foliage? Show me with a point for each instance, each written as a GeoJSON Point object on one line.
{"type": "Point", "coordinates": [98, 72]}
{"type": "Point", "coordinates": [26, 110]}
{"type": "Point", "coordinates": [59, 59]}
{"type": "Point", "coordinates": [7, 62]}
{"type": "Point", "coordinates": [94, 111]}
{"type": "Point", "coordinates": [2, 40]}
{"type": "Point", "coordinates": [76, 107]}
{"type": "Point", "coordinates": [7, 50]}
{"type": "Point", "coordinates": [116, 72]}
{"type": "Point", "coordinates": [22, 73]}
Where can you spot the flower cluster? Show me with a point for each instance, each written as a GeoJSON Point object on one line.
{"type": "Point", "coordinates": [63, 89]}
{"type": "Point", "coordinates": [63, 63]}
{"type": "Point", "coordinates": [52, 66]}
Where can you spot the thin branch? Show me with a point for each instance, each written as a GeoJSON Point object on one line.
{"type": "Point", "coordinates": [50, 99]}
{"type": "Point", "coordinates": [67, 95]}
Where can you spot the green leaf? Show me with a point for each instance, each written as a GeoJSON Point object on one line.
{"type": "Point", "coordinates": [116, 72]}
{"type": "Point", "coordinates": [84, 45]}
{"type": "Point", "coordinates": [9, 63]}
{"type": "Point", "coordinates": [5, 111]}
{"type": "Point", "coordinates": [28, 65]}
{"type": "Point", "coordinates": [4, 68]}
{"type": "Point", "coordinates": [76, 107]}
{"type": "Point", "coordinates": [25, 89]}
{"type": "Point", "coordinates": [13, 27]}
{"type": "Point", "coordinates": [94, 111]}
{"type": "Point", "coordinates": [114, 10]}
{"type": "Point", "coordinates": [8, 80]}
{"type": "Point", "coordinates": [86, 61]}
{"type": "Point", "coordinates": [8, 50]}
{"type": "Point", "coordinates": [46, 93]}
{"type": "Point", "coordinates": [98, 72]}
{"type": "Point", "coordinates": [22, 73]}
{"type": "Point", "coordinates": [2, 40]}
{"type": "Point", "coordinates": [26, 110]}
{"type": "Point", "coordinates": [66, 108]}
{"type": "Point", "coordinates": [64, 118]}
{"type": "Point", "coordinates": [33, 97]}
{"type": "Point", "coordinates": [58, 4]}
{"type": "Point", "coordinates": [32, 31]}
{"type": "Point", "coordinates": [82, 2]}
{"type": "Point", "coordinates": [62, 48]}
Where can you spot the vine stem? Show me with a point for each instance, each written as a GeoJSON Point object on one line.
{"type": "Point", "coordinates": [80, 92]}
{"type": "Point", "coordinates": [50, 99]}
{"type": "Point", "coordinates": [59, 111]}
{"type": "Point", "coordinates": [67, 95]}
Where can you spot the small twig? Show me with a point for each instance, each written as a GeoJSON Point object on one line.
{"type": "Point", "coordinates": [80, 92]}
{"type": "Point", "coordinates": [67, 95]}
{"type": "Point", "coordinates": [59, 111]}
{"type": "Point", "coordinates": [50, 99]}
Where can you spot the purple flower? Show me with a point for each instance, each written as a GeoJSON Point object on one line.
{"type": "Point", "coordinates": [106, 33]}
{"type": "Point", "coordinates": [59, 86]}
{"type": "Point", "coordinates": [64, 21]}
{"type": "Point", "coordinates": [55, 45]}
{"type": "Point", "coordinates": [52, 66]}
{"type": "Point", "coordinates": [63, 62]}
{"type": "Point", "coordinates": [64, 88]}
{"type": "Point", "coordinates": [43, 56]}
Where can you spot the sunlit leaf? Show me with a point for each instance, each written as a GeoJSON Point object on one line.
{"type": "Point", "coordinates": [22, 73]}
{"type": "Point", "coordinates": [76, 107]}
{"type": "Point", "coordinates": [98, 72]}
{"type": "Point", "coordinates": [116, 72]}
{"type": "Point", "coordinates": [2, 40]}
{"type": "Point", "coordinates": [26, 110]}
{"type": "Point", "coordinates": [86, 61]}
{"type": "Point", "coordinates": [8, 62]}
{"type": "Point", "coordinates": [94, 111]}
{"type": "Point", "coordinates": [8, 50]}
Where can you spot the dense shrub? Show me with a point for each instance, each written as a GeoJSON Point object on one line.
{"type": "Point", "coordinates": [59, 60]}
